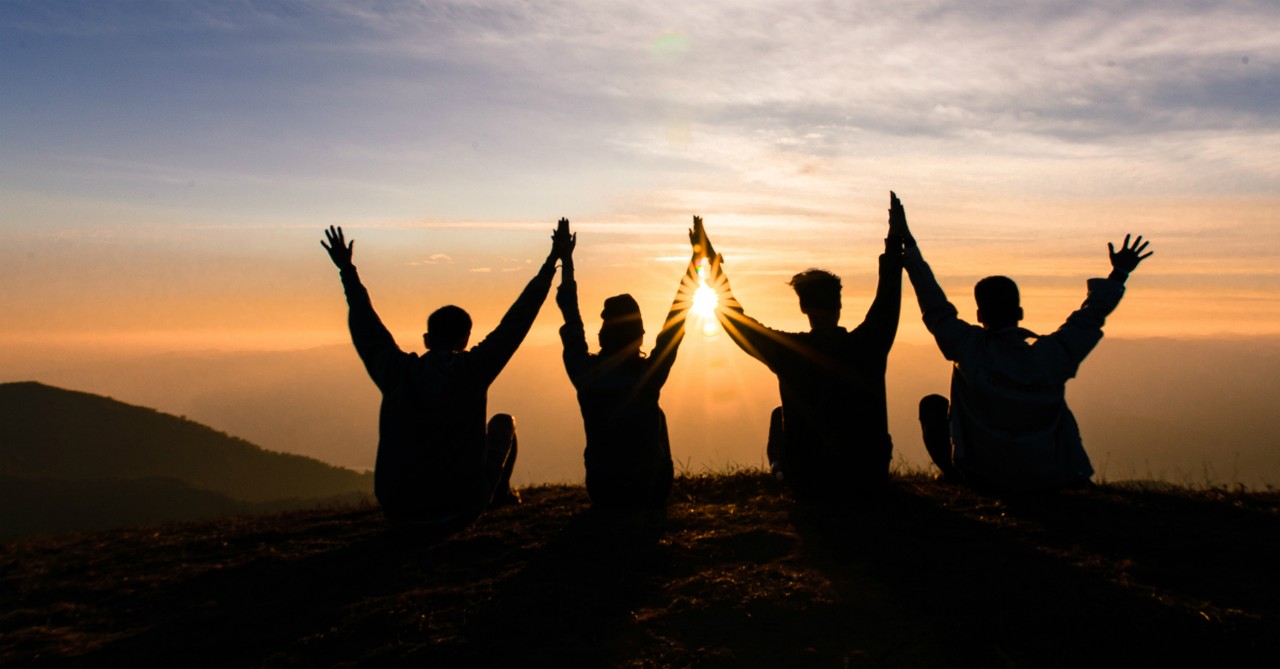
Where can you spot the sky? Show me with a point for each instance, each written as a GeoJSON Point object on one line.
{"type": "Point", "coordinates": [166, 169]}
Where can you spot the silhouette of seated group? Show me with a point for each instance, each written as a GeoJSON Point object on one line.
{"type": "Point", "coordinates": [441, 461]}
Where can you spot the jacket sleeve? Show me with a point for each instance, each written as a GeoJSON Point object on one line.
{"type": "Point", "coordinates": [374, 344]}
{"type": "Point", "coordinates": [750, 335]}
{"type": "Point", "coordinates": [940, 316]}
{"type": "Point", "coordinates": [572, 334]}
{"type": "Point", "coordinates": [1082, 331]}
{"type": "Point", "coordinates": [672, 333]}
{"type": "Point", "coordinates": [493, 353]}
{"type": "Point", "coordinates": [880, 327]}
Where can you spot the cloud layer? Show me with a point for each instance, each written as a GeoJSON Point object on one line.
{"type": "Point", "coordinates": [1021, 129]}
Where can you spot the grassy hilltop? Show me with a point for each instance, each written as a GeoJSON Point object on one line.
{"type": "Point", "coordinates": [735, 575]}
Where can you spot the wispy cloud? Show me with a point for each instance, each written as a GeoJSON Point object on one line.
{"type": "Point", "coordinates": [450, 108]}
{"type": "Point", "coordinates": [433, 259]}
{"type": "Point", "coordinates": [1000, 122]}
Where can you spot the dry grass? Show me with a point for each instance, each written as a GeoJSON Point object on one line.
{"type": "Point", "coordinates": [734, 575]}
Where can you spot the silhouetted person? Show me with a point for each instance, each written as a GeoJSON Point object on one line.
{"type": "Point", "coordinates": [1009, 425]}
{"type": "Point", "coordinates": [439, 465]}
{"type": "Point", "coordinates": [628, 454]}
{"type": "Point", "coordinates": [830, 438]}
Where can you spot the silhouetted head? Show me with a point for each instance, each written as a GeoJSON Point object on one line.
{"type": "Point", "coordinates": [448, 328]}
{"type": "Point", "coordinates": [819, 293]}
{"type": "Point", "coordinates": [999, 305]}
{"type": "Point", "coordinates": [622, 330]}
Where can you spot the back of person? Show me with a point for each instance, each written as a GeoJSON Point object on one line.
{"type": "Point", "coordinates": [628, 452]}
{"type": "Point", "coordinates": [430, 459]}
{"type": "Point", "coordinates": [833, 400]}
{"type": "Point", "coordinates": [1010, 422]}
{"type": "Point", "coordinates": [619, 410]}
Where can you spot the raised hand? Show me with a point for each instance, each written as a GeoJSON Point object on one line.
{"type": "Point", "coordinates": [898, 220]}
{"type": "Point", "coordinates": [339, 251]}
{"type": "Point", "coordinates": [563, 241]}
{"type": "Point", "coordinates": [1127, 258]}
{"type": "Point", "coordinates": [700, 242]}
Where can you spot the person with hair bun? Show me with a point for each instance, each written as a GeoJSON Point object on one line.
{"type": "Point", "coordinates": [628, 452]}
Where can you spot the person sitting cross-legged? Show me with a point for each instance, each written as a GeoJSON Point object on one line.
{"type": "Point", "coordinates": [439, 463]}
{"type": "Point", "coordinates": [829, 441]}
{"type": "Point", "coordinates": [1007, 425]}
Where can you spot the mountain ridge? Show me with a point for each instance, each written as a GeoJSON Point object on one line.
{"type": "Point", "coordinates": [66, 454]}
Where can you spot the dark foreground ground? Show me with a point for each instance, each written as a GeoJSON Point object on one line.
{"type": "Point", "coordinates": [735, 575]}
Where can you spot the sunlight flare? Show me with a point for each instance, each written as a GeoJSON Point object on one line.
{"type": "Point", "coordinates": [705, 301]}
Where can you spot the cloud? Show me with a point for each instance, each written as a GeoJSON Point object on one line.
{"type": "Point", "coordinates": [777, 108]}
{"type": "Point", "coordinates": [433, 259]}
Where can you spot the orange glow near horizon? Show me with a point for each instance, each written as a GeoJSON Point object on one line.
{"type": "Point", "coordinates": [1212, 274]}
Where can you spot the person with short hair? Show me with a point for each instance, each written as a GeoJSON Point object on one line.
{"type": "Point", "coordinates": [830, 438]}
{"type": "Point", "coordinates": [1007, 424]}
{"type": "Point", "coordinates": [439, 463]}
{"type": "Point", "coordinates": [628, 452]}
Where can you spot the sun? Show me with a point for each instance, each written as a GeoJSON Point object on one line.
{"type": "Point", "coordinates": [705, 301]}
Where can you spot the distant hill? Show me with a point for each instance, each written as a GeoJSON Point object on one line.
{"type": "Point", "coordinates": [735, 575]}
{"type": "Point", "coordinates": [67, 455]}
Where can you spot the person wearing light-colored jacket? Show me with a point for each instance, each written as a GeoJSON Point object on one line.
{"type": "Point", "coordinates": [1009, 425]}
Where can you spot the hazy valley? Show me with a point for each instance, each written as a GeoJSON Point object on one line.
{"type": "Point", "coordinates": [1186, 411]}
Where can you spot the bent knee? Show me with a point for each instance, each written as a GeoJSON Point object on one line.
{"type": "Point", "coordinates": [502, 424]}
{"type": "Point", "coordinates": [933, 405]}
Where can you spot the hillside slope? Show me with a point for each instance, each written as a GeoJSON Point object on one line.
{"type": "Point", "coordinates": [73, 461]}
{"type": "Point", "coordinates": [734, 575]}
{"type": "Point", "coordinates": [48, 432]}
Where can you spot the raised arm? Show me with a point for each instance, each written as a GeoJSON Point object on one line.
{"type": "Point", "coordinates": [374, 344]}
{"type": "Point", "coordinates": [749, 334]}
{"type": "Point", "coordinates": [940, 316]}
{"type": "Point", "coordinates": [493, 353]}
{"type": "Point", "coordinates": [672, 333]}
{"type": "Point", "coordinates": [572, 334]}
{"type": "Point", "coordinates": [1104, 294]}
{"type": "Point", "coordinates": [1082, 330]}
{"type": "Point", "coordinates": [881, 323]}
